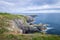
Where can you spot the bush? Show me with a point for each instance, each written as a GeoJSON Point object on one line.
{"type": "Point", "coordinates": [2, 30]}
{"type": "Point", "coordinates": [10, 36]}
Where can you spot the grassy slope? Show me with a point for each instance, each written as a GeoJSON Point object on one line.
{"type": "Point", "coordinates": [4, 17]}
{"type": "Point", "coordinates": [29, 37]}
{"type": "Point", "coordinates": [4, 20]}
{"type": "Point", "coordinates": [11, 16]}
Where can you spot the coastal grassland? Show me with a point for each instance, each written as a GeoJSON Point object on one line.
{"type": "Point", "coordinates": [29, 37]}
{"type": "Point", "coordinates": [11, 16]}
{"type": "Point", "coordinates": [6, 17]}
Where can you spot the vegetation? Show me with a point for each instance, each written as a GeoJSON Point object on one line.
{"type": "Point", "coordinates": [2, 30]}
{"type": "Point", "coordinates": [29, 37]}
{"type": "Point", "coordinates": [6, 17]}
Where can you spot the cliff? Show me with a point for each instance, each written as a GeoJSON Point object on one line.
{"type": "Point", "coordinates": [12, 22]}
{"type": "Point", "coordinates": [19, 24]}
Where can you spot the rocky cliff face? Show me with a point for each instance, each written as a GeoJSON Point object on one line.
{"type": "Point", "coordinates": [18, 24]}
{"type": "Point", "coordinates": [12, 22]}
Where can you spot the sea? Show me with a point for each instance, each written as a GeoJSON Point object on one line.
{"type": "Point", "coordinates": [52, 19]}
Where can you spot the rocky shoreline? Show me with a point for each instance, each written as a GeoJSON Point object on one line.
{"type": "Point", "coordinates": [30, 27]}
{"type": "Point", "coordinates": [20, 24]}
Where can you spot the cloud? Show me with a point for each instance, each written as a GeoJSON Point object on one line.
{"type": "Point", "coordinates": [6, 3]}
{"type": "Point", "coordinates": [30, 6]}
{"type": "Point", "coordinates": [42, 2]}
{"type": "Point", "coordinates": [42, 9]}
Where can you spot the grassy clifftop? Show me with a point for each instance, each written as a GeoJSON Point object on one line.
{"type": "Point", "coordinates": [10, 16]}
{"type": "Point", "coordinates": [7, 16]}
{"type": "Point", "coordinates": [5, 20]}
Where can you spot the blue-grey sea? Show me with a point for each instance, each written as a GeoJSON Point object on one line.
{"type": "Point", "coordinates": [53, 19]}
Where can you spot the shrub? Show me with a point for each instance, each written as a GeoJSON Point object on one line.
{"type": "Point", "coordinates": [10, 36]}
{"type": "Point", "coordinates": [2, 30]}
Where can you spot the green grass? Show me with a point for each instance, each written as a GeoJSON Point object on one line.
{"type": "Point", "coordinates": [29, 37]}
{"type": "Point", "coordinates": [10, 16]}
{"type": "Point", "coordinates": [5, 17]}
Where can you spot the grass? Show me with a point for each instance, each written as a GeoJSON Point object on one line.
{"type": "Point", "coordinates": [29, 37]}
{"type": "Point", "coordinates": [5, 17]}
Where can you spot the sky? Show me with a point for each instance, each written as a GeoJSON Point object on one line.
{"type": "Point", "coordinates": [30, 6]}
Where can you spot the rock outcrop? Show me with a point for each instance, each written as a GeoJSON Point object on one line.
{"type": "Point", "coordinates": [20, 24]}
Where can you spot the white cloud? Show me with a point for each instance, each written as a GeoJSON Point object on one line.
{"type": "Point", "coordinates": [23, 2]}
{"type": "Point", "coordinates": [41, 7]}
{"type": "Point", "coordinates": [38, 9]}
{"type": "Point", "coordinates": [26, 6]}
{"type": "Point", "coordinates": [43, 11]}
{"type": "Point", "coordinates": [6, 3]}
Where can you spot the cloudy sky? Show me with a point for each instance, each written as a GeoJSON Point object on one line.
{"type": "Point", "coordinates": [30, 6]}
